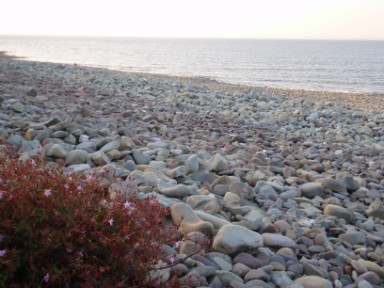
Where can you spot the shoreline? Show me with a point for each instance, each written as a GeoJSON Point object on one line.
{"type": "Point", "coordinates": [369, 102]}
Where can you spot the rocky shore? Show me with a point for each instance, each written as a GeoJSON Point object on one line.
{"type": "Point", "coordinates": [287, 184]}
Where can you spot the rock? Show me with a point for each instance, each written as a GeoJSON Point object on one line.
{"type": "Point", "coordinates": [160, 273]}
{"type": "Point", "coordinates": [56, 151]}
{"type": "Point", "coordinates": [353, 238]}
{"type": "Point", "coordinates": [192, 163]}
{"type": "Point", "coordinates": [339, 212]}
{"type": "Point", "coordinates": [277, 240]}
{"type": "Point", "coordinates": [333, 185]}
{"type": "Point", "coordinates": [140, 157]}
{"type": "Point", "coordinates": [183, 215]}
{"type": "Point", "coordinates": [313, 282]}
{"type": "Point", "coordinates": [110, 146]}
{"type": "Point", "coordinates": [375, 209]}
{"type": "Point", "coordinates": [99, 158]}
{"type": "Point", "coordinates": [227, 278]}
{"type": "Point", "coordinates": [217, 222]}
{"type": "Point", "coordinates": [233, 239]}
{"type": "Point", "coordinates": [217, 163]}
{"type": "Point", "coordinates": [76, 157]}
{"type": "Point", "coordinates": [311, 190]}
{"type": "Point", "coordinates": [18, 107]}
{"type": "Point", "coordinates": [203, 202]}
{"type": "Point", "coordinates": [176, 191]}
{"type": "Point", "coordinates": [243, 190]}
{"type": "Point", "coordinates": [240, 269]}
{"type": "Point", "coordinates": [248, 260]}
{"type": "Point", "coordinates": [372, 266]}
{"type": "Point", "coordinates": [347, 179]}
{"type": "Point", "coordinates": [31, 93]}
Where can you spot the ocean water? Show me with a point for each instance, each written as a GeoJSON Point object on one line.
{"type": "Point", "coordinates": [348, 66]}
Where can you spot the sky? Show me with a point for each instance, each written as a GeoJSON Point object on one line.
{"type": "Point", "coordinates": [255, 19]}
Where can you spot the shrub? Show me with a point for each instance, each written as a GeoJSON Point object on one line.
{"type": "Point", "coordinates": [60, 230]}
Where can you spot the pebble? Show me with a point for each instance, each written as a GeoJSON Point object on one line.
{"type": "Point", "coordinates": [288, 189]}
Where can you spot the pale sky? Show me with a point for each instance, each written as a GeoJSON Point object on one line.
{"type": "Point", "coordinates": [268, 19]}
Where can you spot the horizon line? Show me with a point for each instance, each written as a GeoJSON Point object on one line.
{"type": "Point", "coordinates": [186, 37]}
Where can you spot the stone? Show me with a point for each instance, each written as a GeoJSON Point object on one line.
{"type": "Point", "coordinates": [176, 191]}
{"type": "Point", "coordinates": [76, 157]}
{"type": "Point", "coordinates": [232, 239]}
{"type": "Point", "coordinates": [243, 190]}
{"type": "Point", "coordinates": [217, 163]}
{"type": "Point", "coordinates": [31, 93]}
{"type": "Point", "coordinates": [311, 190]}
{"type": "Point", "coordinates": [372, 266]}
{"type": "Point", "coordinates": [353, 238]}
{"type": "Point", "coordinates": [140, 157]}
{"type": "Point", "coordinates": [240, 269]}
{"type": "Point", "coordinates": [277, 240]}
{"type": "Point", "coordinates": [313, 282]}
{"type": "Point", "coordinates": [334, 185]}
{"type": "Point", "coordinates": [18, 107]}
{"type": "Point", "coordinates": [183, 215]}
{"type": "Point", "coordinates": [99, 158]}
{"type": "Point", "coordinates": [248, 260]}
{"type": "Point", "coordinates": [160, 273]}
{"type": "Point", "coordinates": [347, 179]}
{"type": "Point", "coordinates": [228, 278]}
{"type": "Point", "coordinates": [110, 146]}
{"type": "Point", "coordinates": [339, 212]}
{"type": "Point", "coordinates": [375, 209]}
{"type": "Point", "coordinates": [56, 151]}
{"type": "Point", "coordinates": [192, 163]}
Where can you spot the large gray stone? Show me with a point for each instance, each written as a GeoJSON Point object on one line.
{"type": "Point", "coordinates": [232, 239]}
{"type": "Point", "coordinates": [339, 212]}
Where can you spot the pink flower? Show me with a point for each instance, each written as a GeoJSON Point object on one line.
{"type": "Point", "coordinates": [127, 205]}
{"type": "Point", "coordinates": [66, 186]}
{"type": "Point", "coordinates": [48, 192]}
{"type": "Point", "coordinates": [46, 278]}
{"type": "Point", "coordinates": [177, 244]}
{"type": "Point", "coordinates": [2, 253]}
{"type": "Point", "coordinates": [79, 188]}
{"type": "Point", "coordinates": [110, 221]}
{"type": "Point", "coordinates": [2, 238]}
{"type": "Point", "coordinates": [172, 259]}
{"type": "Point", "coordinates": [1, 194]}
{"type": "Point", "coordinates": [33, 163]}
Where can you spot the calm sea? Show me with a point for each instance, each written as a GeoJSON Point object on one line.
{"type": "Point", "coordinates": [355, 66]}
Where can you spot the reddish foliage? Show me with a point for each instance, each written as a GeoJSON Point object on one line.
{"type": "Point", "coordinates": [61, 230]}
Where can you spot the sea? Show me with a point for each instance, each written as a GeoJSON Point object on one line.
{"type": "Point", "coordinates": [341, 66]}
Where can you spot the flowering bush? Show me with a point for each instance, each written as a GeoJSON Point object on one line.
{"type": "Point", "coordinates": [60, 230]}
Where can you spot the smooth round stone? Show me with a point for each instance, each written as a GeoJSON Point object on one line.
{"type": "Point", "coordinates": [243, 190]}
{"type": "Point", "coordinates": [248, 260]}
{"type": "Point", "coordinates": [371, 277]}
{"type": "Point", "coordinates": [353, 238]}
{"type": "Point", "coordinates": [359, 267]}
{"type": "Point", "coordinates": [227, 278]}
{"type": "Point", "coordinates": [77, 168]}
{"type": "Point", "coordinates": [59, 134]}
{"type": "Point", "coordinates": [88, 146]}
{"type": "Point", "coordinates": [313, 281]}
{"type": "Point", "coordinates": [311, 190]}
{"type": "Point", "coordinates": [183, 215]}
{"type": "Point", "coordinates": [56, 151]}
{"type": "Point", "coordinates": [175, 191]}
{"type": "Point", "coordinates": [231, 197]}
{"type": "Point", "coordinates": [140, 157]}
{"type": "Point", "coordinates": [376, 209]}
{"type": "Point", "coordinates": [99, 158]}
{"type": "Point", "coordinates": [280, 278]}
{"type": "Point", "coordinates": [179, 171]}
{"type": "Point", "coordinates": [310, 269]}
{"type": "Point", "coordinates": [204, 202]}
{"type": "Point", "coordinates": [339, 212]}
{"type": "Point", "coordinates": [347, 179]}
{"type": "Point", "coordinates": [217, 222]}
{"type": "Point", "coordinates": [277, 240]}
{"type": "Point", "coordinates": [232, 239]}
{"type": "Point", "coordinates": [194, 244]}
{"type": "Point", "coordinates": [256, 274]}
{"type": "Point", "coordinates": [76, 157]}
{"type": "Point", "coordinates": [372, 266]}
{"type": "Point", "coordinates": [334, 185]}
{"type": "Point", "coordinates": [240, 269]}
{"type": "Point", "coordinates": [114, 145]}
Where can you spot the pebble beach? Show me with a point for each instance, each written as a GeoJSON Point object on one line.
{"type": "Point", "coordinates": [287, 184]}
